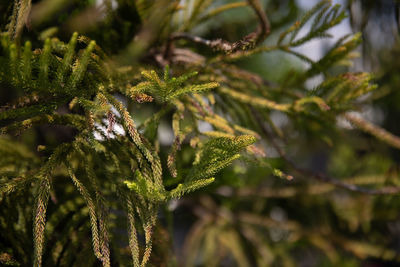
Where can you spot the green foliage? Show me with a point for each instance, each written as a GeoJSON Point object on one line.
{"type": "Point", "coordinates": [89, 173]}
{"type": "Point", "coordinates": [216, 154]}
{"type": "Point", "coordinates": [170, 88]}
{"type": "Point", "coordinates": [325, 16]}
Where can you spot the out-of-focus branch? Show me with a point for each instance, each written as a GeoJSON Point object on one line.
{"type": "Point", "coordinates": [390, 190]}
{"type": "Point", "coordinates": [374, 130]}
{"type": "Point", "coordinates": [246, 42]}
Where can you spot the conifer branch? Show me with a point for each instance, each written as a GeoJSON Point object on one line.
{"type": "Point", "coordinates": [133, 240]}
{"type": "Point", "coordinates": [186, 188]}
{"type": "Point", "coordinates": [92, 212]}
{"type": "Point", "coordinates": [260, 102]}
{"type": "Point", "coordinates": [137, 139]}
{"type": "Point", "coordinates": [20, 18]}
{"type": "Point", "coordinates": [148, 232]}
{"type": "Point", "coordinates": [39, 221]}
{"type": "Point", "coordinates": [102, 213]}
{"type": "Point", "coordinates": [67, 119]}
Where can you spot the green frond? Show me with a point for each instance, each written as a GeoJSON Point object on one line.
{"type": "Point", "coordinates": [10, 186]}
{"type": "Point", "coordinates": [218, 134]}
{"type": "Point", "coordinates": [298, 55]}
{"type": "Point", "coordinates": [332, 17]}
{"type": "Point", "coordinates": [44, 63]}
{"type": "Point", "coordinates": [256, 101]}
{"type": "Point", "coordinates": [19, 18]}
{"type": "Point", "coordinates": [299, 104]}
{"type": "Point", "coordinates": [68, 119]}
{"type": "Point", "coordinates": [171, 160]}
{"type": "Point", "coordinates": [92, 210]}
{"type": "Point", "coordinates": [133, 239]}
{"type": "Point", "coordinates": [39, 221]}
{"type": "Point", "coordinates": [26, 64]}
{"type": "Point", "coordinates": [67, 59]}
{"type": "Point", "coordinates": [24, 112]}
{"type": "Point", "coordinates": [337, 90]}
{"type": "Point", "coordinates": [188, 187]}
{"type": "Point", "coordinates": [13, 65]}
{"type": "Point", "coordinates": [80, 67]}
{"type": "Point", "coordinates": [217, 154]}
{"type": "Point", "coordinates": [338, 52]}
{"type": "Point", "coordinates": [148, 233]}
{"type": "Point", "coordinates": [137, 139]}
{"type": "Point", "coordinates": [219, 123]}
{"type": "Point", "coordinates": [169, 89]}
{"type": "Point", "coordinates": [146, 187]}
{"type": "Point", "coordinates": [192, 89]}
{"type": "Point", "coordinates": [309, 14]}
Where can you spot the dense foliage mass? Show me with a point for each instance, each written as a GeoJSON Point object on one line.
{"type": "Point", "coordinates": [186, 133]}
